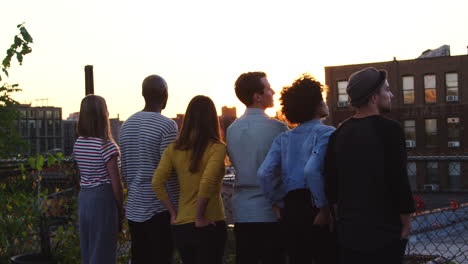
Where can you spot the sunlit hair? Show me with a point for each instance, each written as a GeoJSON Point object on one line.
{"type": "Point", "coordinates": [301, 99]}
{"type": "Point", "coordinates": [200, 127]}
{"type": "Point", "coordinates": [247, 85]}
{"type": "Point", "coordinates": [94, 118]}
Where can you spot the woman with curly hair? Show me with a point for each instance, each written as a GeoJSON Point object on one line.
{"type": "Point", "coordinates": [299, 155]}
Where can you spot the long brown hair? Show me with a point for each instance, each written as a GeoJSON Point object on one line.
{"type": "Point", "coordinates": [200, 127]}
{"type": "Point", "coordinates": [94, 118]}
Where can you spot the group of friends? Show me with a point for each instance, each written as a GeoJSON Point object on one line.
{"type": "Point", "coordinates": [312, 194]}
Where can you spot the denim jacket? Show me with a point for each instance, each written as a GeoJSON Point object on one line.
{"type": "Point", "coordinates": [299, 155]}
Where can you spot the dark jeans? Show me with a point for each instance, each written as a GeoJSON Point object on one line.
{"type": "Point", "coordinates": [200, 245]}
{"type": "Point", "coordinates": [306, 242]}
{"type": "Point", "coordinates": [259, 243]}
{"type": "Point", "coordinates": [152, 240]}
{"type": "Point", "coordinates": [391, 254]}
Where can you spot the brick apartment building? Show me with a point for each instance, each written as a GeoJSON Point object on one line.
{"type": "Point", "coordinates": [431, 103]}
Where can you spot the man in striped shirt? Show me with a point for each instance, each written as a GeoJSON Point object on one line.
{"type": "Point", "coordinates": [143, 138]}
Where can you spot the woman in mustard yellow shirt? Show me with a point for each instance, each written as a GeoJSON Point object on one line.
{"type": "Point", "coordinates": [197, 156]}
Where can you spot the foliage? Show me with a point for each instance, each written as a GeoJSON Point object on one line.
{"type": "Point", "coordinates": [10, 140]}
{"type": "Point", "coordinates": [23, 204]}
{"type": "Point", "coordinates": [19, 218]}
{"type": "Point", "coordinates": [26, 198]}
{"type": "Point", "coordinates": [66, 239]}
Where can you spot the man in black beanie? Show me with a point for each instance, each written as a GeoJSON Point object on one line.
{"type": "Point", "coordinates": [366, 176]}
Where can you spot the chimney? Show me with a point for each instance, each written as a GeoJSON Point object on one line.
{"type": "Point", "coordinates": [89, 80]}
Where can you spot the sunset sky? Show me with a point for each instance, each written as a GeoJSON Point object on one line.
{"type": "Point", "coordinates": [201, 47]}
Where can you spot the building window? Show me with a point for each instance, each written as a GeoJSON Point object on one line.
{"type": "Point", "coordinates": [58, 128]}
{"type": "Point", "coordinates": [432, 175]}
{"type": "Point", "coordinates": [42, 145]}
{"type": "Point", "coordinates": [453, 132]}
{"type": "Point", "coordinates": [342, 95]}
{"type": "Point", "coordinates": [410, 133]}
{"type": "Point", "coordinates": [24, 128]}
{"type": "Point", "coordinates": [22, 114]}
{"type": "Point", "coordinates": [40, 114]}
{"type": "Point", "coordinates": [48, 114]}
{"type": "Point", "coordinates": [408, 89]}
{"type": "Point", "coordinates": [41, 126]}
{"type": "Point", "coordinates": [32, 114]}
{"type": "Point", "coordinates": [58, 143]}
{"type": "Point", "coordinates": [430, 88]}
{"type": "Point", "coordinates": [57, 115]}
{"type": "Point", "coordinates": [451, 83]}
{"type": "Point", "coordinates": [50, 144]}
{"type": "Point", "coordinates": [454, 175]}
{"type": "Point", "coordinates": [411, 166]}
{"type": "Point", "coordinates": [431, 132]}
{"type": "Point", "coordinates": [50, 128]}
{"type": "Point", "coordinates": [32, 126]}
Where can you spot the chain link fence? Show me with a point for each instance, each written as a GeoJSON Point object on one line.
{"type": "Point", "coordinates": [440, 234]}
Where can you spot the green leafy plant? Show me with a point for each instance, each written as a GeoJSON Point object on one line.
{"type": "Point", "coordinates": [19, 220]}
{"type": "Point", "coordinates": [24, 206]}
{"type": "Point", "coordinates": [66, 240]}
{"type": "Point", "coordinates": [10, 140]}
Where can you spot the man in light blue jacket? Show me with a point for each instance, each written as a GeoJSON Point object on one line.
{"type": "Point", "coordinates": [257, 231]}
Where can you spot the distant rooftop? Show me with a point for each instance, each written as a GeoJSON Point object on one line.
{"type": "Point", "coordinates": [442, 51]}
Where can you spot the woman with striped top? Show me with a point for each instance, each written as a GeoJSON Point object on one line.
{"type": "Point", "coordinates": [100, 200]}
{"type": "Point", "coordinates": [197, 156]}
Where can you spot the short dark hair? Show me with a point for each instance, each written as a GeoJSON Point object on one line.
{"type": "Point", "coordinates": [300, 100]}
{"type": "Point", "coordinates": [247, 85]}
{"type": "Point", "coordinates": [154, 89]}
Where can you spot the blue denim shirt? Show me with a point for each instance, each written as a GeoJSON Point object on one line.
{"type": "Point", "coordinates": [299, 154]}
{"type": "Point", "coordinates": [249, 139]}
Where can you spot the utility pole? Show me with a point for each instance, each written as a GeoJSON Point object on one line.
{"type": "Point", "coordinates": [89, 80]}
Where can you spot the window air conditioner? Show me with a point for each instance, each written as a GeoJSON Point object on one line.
{"type": "Point", "coordinates": [452, 98]}
{"type": "Point", "coordinates": [431, 187]}
{"type": "Point", "coordinates": [410, 143]}
{"type": "Point", "coordinates": [454, 144]}
{"type": "Point", "coordinates": [342, 104]}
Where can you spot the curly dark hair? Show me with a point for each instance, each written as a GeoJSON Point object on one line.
{"type": "Point", "coordinates": [247, 84]}
{"type": "Point", "coordinates": [300, 100]}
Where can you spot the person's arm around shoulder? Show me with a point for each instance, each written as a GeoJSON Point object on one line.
{"type": "Point", "coordinates": [160, 177]}
{"type": "Point", "coordinates": [209, 183]}
{"type": "Point", "coordinates": [268, 176]}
